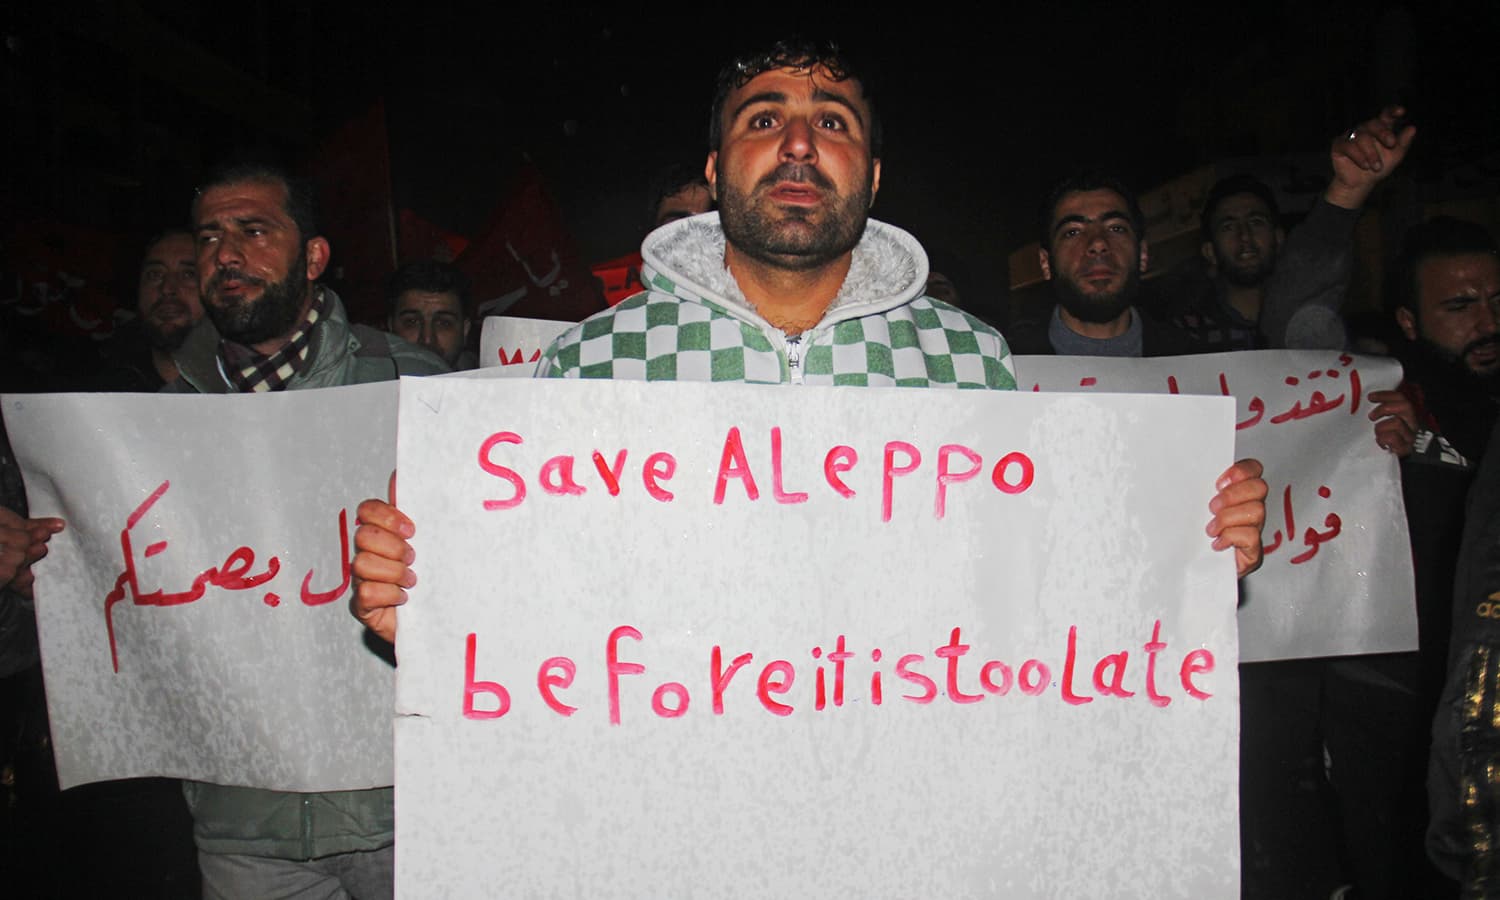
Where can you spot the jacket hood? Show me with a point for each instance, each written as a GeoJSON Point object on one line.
{"type": "Point", "coordinates": [686, 258]}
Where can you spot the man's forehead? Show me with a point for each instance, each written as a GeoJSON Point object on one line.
{"type": "Point", "coordinates": [1101, 203]}
{"type": "Point", "coordinates": [428, 300]}
{"type": "Point", "coordinates": [173, 249]}
{"type": "Point", "coordinates": [1442, 277]}
{"type": "Point", "coordinates": [1240, 205]}
{"type": "Point", "coordinates": [817, 80]}
{"type": "Point", "coordinates": [240, 198]}
{"type": "Point", "coordinates": [688, 192]}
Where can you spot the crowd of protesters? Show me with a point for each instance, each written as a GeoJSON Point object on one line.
{"type": "Point", "coordinates": [1336, 797]}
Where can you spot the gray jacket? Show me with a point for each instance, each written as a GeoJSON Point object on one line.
{"type": "Point", "coordinates": [278, 824]}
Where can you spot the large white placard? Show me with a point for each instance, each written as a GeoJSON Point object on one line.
{"type": "Point", "coordinates": [1337, 577]}
{"type": "Point", "coordinates": [693, 640]}
{"type": "Point", "coordinates": [194, 614]}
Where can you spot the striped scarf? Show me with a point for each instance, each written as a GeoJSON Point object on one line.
{"type": "Point", "coordinates": [250, 371]}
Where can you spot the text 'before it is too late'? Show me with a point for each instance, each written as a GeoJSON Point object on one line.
{"type": "Point", "coordinates": [842, 675]}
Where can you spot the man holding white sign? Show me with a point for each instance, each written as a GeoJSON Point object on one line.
{"type": "Point", "coordinates": [789, 284]}
{"type": "Point", "coordinates": [792, 284]}
{"type": "Point", "coordinates": [271, 327]}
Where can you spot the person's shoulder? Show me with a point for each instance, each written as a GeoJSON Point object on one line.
{"type": "Point", "coordinates": [1160, 337]}
{"type": "Point", "coordinates": [615, 330]}
{"type": "Point", "coordinates": [1028, 337]}
{"type": "Point", "coordinates": [965, 334]}
{"type": "Point", "coordinates": [951, 315]}
{"type": "Point", "coordinates": [381, 350]}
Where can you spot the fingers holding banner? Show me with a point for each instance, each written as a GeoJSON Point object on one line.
{"type": "Point", "coordinates": [381, 565]}
{"type": "Point", "coordinates": [22, 542]}
{"type": "Point", "coordinates": [1239, 510]}
{"type": "Point", "coordinates": [1395, 422]}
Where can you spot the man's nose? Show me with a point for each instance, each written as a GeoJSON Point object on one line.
{"type": "Point", "coordinates": [227, 252]}
{"type": "Point", "coordinates": [1098, 241]}
{"type": "Point", "coordinates": [798, 143]}
{"type": "Point", "coordinates": [1487, 316]}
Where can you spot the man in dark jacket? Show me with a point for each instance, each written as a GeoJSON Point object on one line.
{"type": "Point", "coordinates": [139, 355]}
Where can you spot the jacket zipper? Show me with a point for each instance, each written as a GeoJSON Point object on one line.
{"type": "Point", "coordinates": [793, 347]}
{"type": "Point", "coordinates": [307, 827]}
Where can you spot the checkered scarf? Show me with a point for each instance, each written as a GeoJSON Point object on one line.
{"type": "Point", "coordinates": [250, 371]}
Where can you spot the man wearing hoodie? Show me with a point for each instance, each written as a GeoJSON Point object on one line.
{"type": "Point", "coordinates": [789, 282]}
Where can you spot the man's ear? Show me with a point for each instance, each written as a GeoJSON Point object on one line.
{"type": "Point", "coordinates": [1280, 235]}
{"type": "Point", "coordinates": [318, 253]}
{"type": "Point", "coordinates": [1207, 249]}
{"type": "Point", "coordinates": [711, 173]}
{"type": "Point", "coordinates": [1145, 256]}
{"type": "Point", "coordinates": [1046, 263]}
{"type": "Point", "coordinates": [1408, 322]}
{"type": "Point", "coordinates": [467, 323]}
{"type": "Point", "coordinates": [874, 179]}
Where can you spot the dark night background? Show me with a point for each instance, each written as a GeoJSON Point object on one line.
{"type": "Point", "coordinates": [115, 109]}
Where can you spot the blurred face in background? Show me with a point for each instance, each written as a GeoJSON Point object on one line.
{"type": "Point", "coordinates": [167, 299]}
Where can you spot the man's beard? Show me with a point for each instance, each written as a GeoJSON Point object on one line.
{"type": "Point", "coordinates": [1457, 366]}
{"type": "Point", "coordinates": [273, 314]}
{"type": "Point", "coordinates": [1097, 309]}
{"type": "Point", "coordinates": [1253, 274]}
{"type": "Point", "coordinates": [165, 336]}
{"type": "Point", "coordinates": [784, 236]}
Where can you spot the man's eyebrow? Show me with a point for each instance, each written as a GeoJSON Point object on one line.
{"type": "Point", "coordinates": [762, 97]}
{"type": "Point", "coordinates": [1248, 216]}
{"type": "Point", "coordinates": [827, 96]}
{"type": "Point", "coordinates": [242, 221]}
{"type": "Point", "coordinates": [1109, 216]}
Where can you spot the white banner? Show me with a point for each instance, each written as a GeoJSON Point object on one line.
{"type": "Point", "coordinates": [194, 614]}
{"type": "Point", "coordinates": [1337, 577]}
{"type": "Point", "coordinates": [724, 640]}
{"type": "Point", "coordinates": [513, 345]}
{"type": "Point", "coordinates": [217, 683]}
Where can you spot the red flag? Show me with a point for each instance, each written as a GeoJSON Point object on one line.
{"type": "Point", "coordinates": [524, 263]}
{"type": "Point", "coordinates": [421, 239]}
{"type": "Point", "coordinates": [63, 274]}
{"type": "Point", "coordinates": [620, 277]}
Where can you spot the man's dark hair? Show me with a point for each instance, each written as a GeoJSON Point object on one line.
{"type": "Point", "coordinates": [790, 53]}
{"type": "Point", "coordinates": [668, 181]}
{"type": "Point", "coordinates": [428, 276]}
{"type": "Point", "coordinates": [1232, 186]}
{"type": "Point", "coordinates": [1439, 236]}
{"type": "Point", "coordinates": [1090, 180]}
{"type": "Point", "coordinates": [301, 195]}
{"type": "Point", "coordinates": [174, 231]}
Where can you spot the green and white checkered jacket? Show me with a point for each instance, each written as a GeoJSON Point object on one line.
{"type": "Point", "coordinates": [693, 324]}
